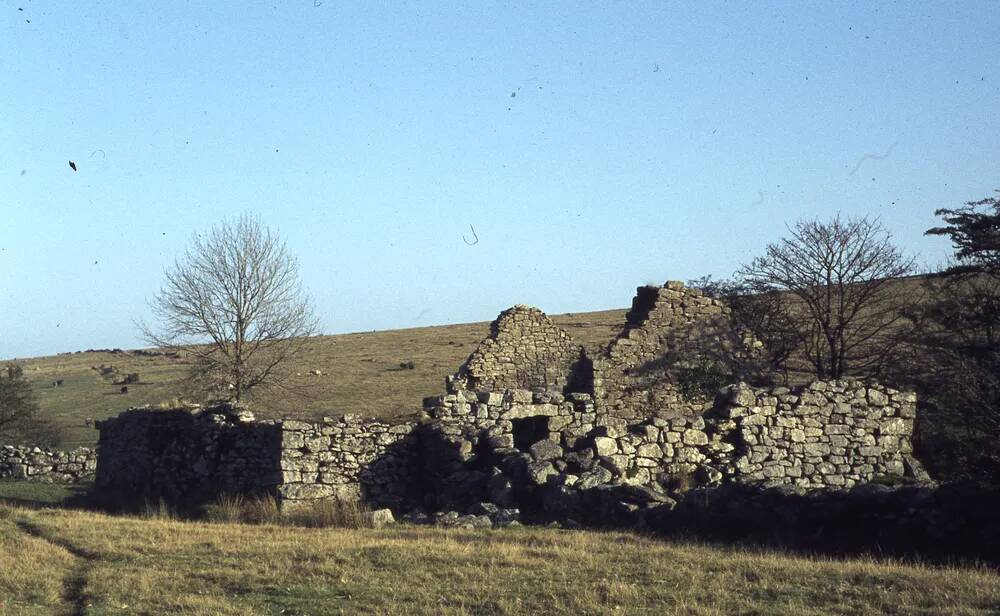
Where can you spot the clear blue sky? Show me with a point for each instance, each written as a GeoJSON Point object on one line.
{"type": "Point", "coordinates": [594, 147]}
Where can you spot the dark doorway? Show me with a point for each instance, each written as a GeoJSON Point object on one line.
{"type": "Point", "coordinates": [530, 430]}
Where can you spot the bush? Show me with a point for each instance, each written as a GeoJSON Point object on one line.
{"type": "Point", "coordinates": [701, 380]}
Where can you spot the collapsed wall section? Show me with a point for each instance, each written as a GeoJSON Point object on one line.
{"type": "Point", "coordinates": [525, 350]}
{"type": "Point", "coordinates": [668, 329]}
{"type": "Point", "coordinates": [46, 465]}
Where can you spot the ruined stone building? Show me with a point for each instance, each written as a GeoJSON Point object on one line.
{"type": "Point", "coordinates": [534, 421]}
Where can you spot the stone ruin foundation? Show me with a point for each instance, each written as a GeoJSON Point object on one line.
{"type": "Point", "coordinates": [535, 424]}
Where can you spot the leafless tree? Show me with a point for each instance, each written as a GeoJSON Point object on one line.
{"type": "Point", "coordinates": [761, 323]}
{"type": "Point", "coordinates": [838, 280]}
{"type": "Point", "coordinates": [235, 304]}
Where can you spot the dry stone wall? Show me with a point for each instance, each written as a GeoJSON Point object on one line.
{"type": "Point", "coordinates": [349, 459]}
{"type": "Point", "coordinates": [46, 465]}
{"type": "Point", "coordinates": [193, 455]}
{"type": "Point", "coordinates": [518, 448]}
{"type": "Point", "coordinates": [525, 350]}
{"type": "Point", "coordinates": [532, 422]}
{"type": "Point", "coordinates": [667, 327]}
{"type": "Point", "coordinates": [835, 433]}
{"type": "Point", "coordinates": [188, 454]}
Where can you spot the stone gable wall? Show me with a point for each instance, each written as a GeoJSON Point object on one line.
{"type": "Point", "coordinates": [46, 465]}
{"type": "Point", "coordinates": [525, 350]}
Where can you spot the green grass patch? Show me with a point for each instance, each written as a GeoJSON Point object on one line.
{"type": "Point", "coordinates": [33, 494]}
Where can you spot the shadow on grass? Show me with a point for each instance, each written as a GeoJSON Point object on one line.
{"type": "Point", "coordinates": [36, 495]}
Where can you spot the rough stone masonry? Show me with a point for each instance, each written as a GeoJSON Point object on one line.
{"type": "Point", "coordinates": [535, 422]}
{"type": "Point", "coordinates": [46, 465]}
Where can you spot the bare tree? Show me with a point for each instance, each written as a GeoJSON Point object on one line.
{"type": "Point", "coordinates": [762, 323]}
{"type": "Point", "coordinates": [235, 304]}
{"type": "Point", "coordinates": [955, 367]}
{"type": "Point", "coordinates": [837, 278]}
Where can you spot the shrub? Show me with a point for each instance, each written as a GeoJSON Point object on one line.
{"type": "Point", "coordinates": [701, 380]}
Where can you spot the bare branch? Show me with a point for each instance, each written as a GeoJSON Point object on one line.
{"type": "Point", "coordinates": [839, 299]}
{"type": "Point", "coordinates": [234, 303]}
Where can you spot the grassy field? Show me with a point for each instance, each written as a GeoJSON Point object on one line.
{"type": "Point", "coordinates": [34, 494]}
{"type": "Point", "coordinates": [360, 374]}
{"type": "Point", "coordinates": [62, 561]}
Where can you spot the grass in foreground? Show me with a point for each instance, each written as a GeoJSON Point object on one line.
{"type": "Point", "coordinates": [96, 564]}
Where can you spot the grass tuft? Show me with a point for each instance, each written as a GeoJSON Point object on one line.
{"type": "Point", "coordinates": [330, 514]}
{"type": "Point", "coordinates": [265, 509]}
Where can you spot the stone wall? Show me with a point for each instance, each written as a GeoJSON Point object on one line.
{"type": "Point", "coordinates": [525, 350]}
{"type": "Point", "coordinates": [188, 454]}
{"type": "Point", "coordinates": [45, 465]}
{"type": "Point", "coordinates": [667, 328]}
{"type": "Point", "coordinates": [531, 421]}
{"type": "Point", "coordinates": [517, 448]}
{"type": "Point", "coordinates": [193, 455]}
{"type": "Point", "coordinates": [835, 433]}
{"type": "Point", "coordinates": [349, 458]}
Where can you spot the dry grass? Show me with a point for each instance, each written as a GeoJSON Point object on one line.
{"type": "Point", "coordinates": [31, 570]}
{"type": "Point", "coordinates": [135, 566]}
{"type": "Point", "coordinates": [329, 514]}
{"type": "Point", "coordinates": [264, 509]}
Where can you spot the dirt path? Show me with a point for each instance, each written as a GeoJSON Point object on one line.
{"type": "Point", "coordinates": [74, 593]}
